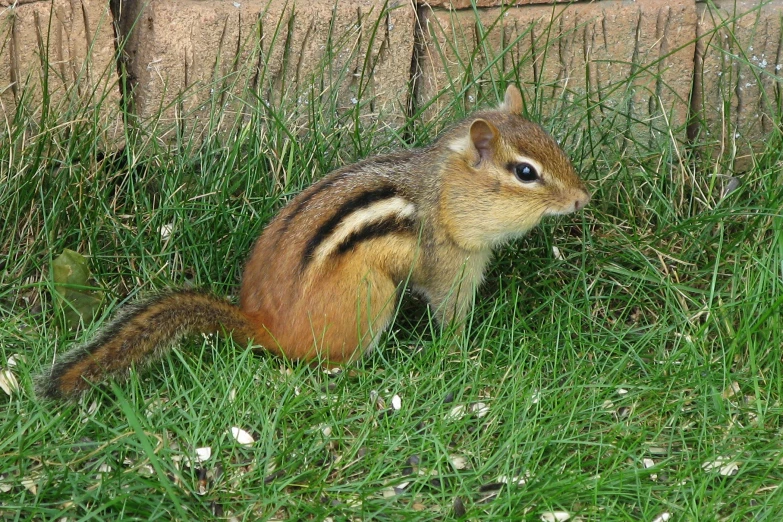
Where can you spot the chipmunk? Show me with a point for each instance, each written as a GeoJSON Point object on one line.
{"type": "Point", "coordinates": [324, 277]}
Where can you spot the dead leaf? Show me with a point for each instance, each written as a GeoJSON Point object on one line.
{"type": "Point", "coordinates": [732, 390]}
{"type": "Point", "coordinates": [74, 297]}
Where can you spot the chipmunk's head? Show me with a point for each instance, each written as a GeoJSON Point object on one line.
{"type": "Point", "coordinates": [503, 174]}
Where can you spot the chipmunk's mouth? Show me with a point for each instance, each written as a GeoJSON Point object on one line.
{"type": "Point", "coordinates": [581, 201]}
{"type": "Point", "coordinates": [571, 202]}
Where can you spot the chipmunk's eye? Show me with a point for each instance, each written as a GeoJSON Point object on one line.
{"type": "Point", "coordinates": [525, 172]}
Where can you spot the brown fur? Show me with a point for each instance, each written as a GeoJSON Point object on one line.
{"type": "Point", "coordinates": [323, 279]}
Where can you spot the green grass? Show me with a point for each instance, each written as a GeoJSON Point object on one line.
{"type": "Point", "coordinates": [657, 336]}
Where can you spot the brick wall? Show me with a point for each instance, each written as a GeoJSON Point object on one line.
{"type": "Point", "coordinates": [659, 65]}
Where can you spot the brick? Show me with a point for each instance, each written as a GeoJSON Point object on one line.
{"type": "Point", "coordinates": [74, 57]}
{"type": "Point", "coordinates": [578, 55]}
{"type": "Point", "coordinates": [466, 4]}
{"type": "Point", "coordinates": [185, 56]}
{"type": "Point", "coordinates": [737, 78]}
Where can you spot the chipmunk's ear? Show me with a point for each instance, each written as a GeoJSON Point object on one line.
{"type": "Point", "coordinates": [479, 144]}
{"type": "Point", "coordinates": [513, 100]}
{"type": "Point", "coordinates": [484, 137]}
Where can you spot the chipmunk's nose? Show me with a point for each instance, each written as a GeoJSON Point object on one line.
{"type": "Point", "coordinates": [582, 200]}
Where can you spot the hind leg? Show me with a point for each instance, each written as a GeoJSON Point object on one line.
{"type": "Point", "coordinates": [349, 331]}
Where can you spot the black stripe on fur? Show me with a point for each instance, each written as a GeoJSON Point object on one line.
{"type": "Point", "coordinates": [362, 200]}
{"type": "Point", "coordinates": [375, 230]}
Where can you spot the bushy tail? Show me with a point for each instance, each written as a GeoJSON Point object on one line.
{"type": "Point", "coordinates": [139, 334]}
